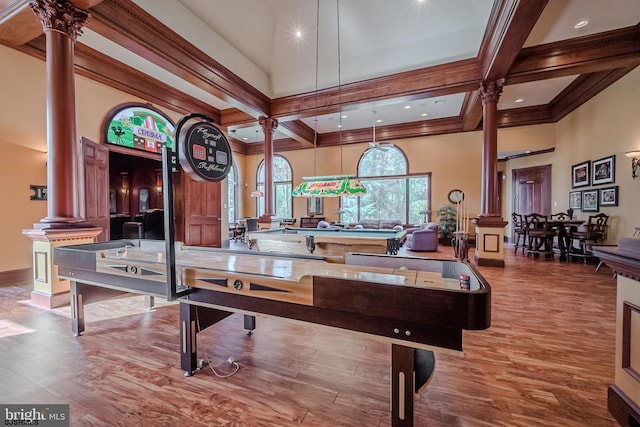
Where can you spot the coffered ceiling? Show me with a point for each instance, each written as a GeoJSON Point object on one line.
{"type": "Point", "coordinates": [326, 70]}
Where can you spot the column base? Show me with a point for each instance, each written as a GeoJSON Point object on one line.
{"type": "Point", "coordinates": [48, 290]}
{"type": "Point", "coordinates": [488, 262]}
{"type": "Point", "coordinates": [489, 240]}
{"type": "Point", "coordinates": [49, 301]}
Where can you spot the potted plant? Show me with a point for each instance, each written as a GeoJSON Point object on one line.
{"type": "Point", "coordinates": [447, 223]}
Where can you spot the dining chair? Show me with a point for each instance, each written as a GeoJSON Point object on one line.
{"type": "Point", "coordinates": [560, 216]}
{"type": "Point", "coordinates": [540, 235]}
{"type": "Point", "coordinates": [519, 231]}
{"type": "Point", "coordinates": [594, 231]}
{"type": "Point", "coordinates": [562, 229]}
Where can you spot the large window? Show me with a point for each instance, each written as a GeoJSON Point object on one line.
{"type": "Point", "coordinates": [232, 189]}
{"type": "Point", "coordinates": [281, 187]}
{"type": "Point", "coordinates": [391, 192]}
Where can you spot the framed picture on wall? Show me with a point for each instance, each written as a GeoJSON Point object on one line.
{"type": "Point", "coordinates": [603, 171]}
{"type": "Point", "coordinates": [575, 200]}
{"type": "Point", "coordinates": [609, 196]}
{"type": "Point", "coordinates": [580, 174]}
{"type": "Point", "coordinates": [590, 201]}
{"type": "Point", "coordinates": [143, 200]}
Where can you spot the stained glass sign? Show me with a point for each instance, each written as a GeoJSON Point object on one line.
{"type": "Point", "coordinates": [140, 128]}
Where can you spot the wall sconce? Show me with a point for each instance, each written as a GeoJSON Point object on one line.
{"type": "Point", "coordinates": [124, 183]}
{"type": "Point", "coordinates": [635, 159]}
{"type": "Point", "coordinates": [159, 181]}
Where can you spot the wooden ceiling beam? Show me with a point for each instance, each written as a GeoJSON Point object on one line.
{"type": "Point", "coordinates": [392, 132]}
{"type": "Point", "coordinates": [510, 24]}
{"type": "Point", "coordinates": [98, 67]}
{"type": "Point", "coordinates": [583, 89]}
{"type": "Point", "coordinates": [534, 115]}
{"type": "Point", "coordinates": [582, 55]}
{"type": "Point", "coordinates": [298, 131]}
{"type": "Point", "coordinates": [439, 80]}
{"type": "Point", "coordinates": [132, 27]}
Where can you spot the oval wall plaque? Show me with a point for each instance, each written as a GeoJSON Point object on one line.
{"type": "Point", "coordinates": [205, 153]}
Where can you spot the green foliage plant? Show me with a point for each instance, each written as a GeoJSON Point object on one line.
{"type": "Point", "coordinates": [447, 222]}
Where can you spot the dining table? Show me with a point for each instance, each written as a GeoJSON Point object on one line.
{"type": "Point", "coordinates": [563, 229]}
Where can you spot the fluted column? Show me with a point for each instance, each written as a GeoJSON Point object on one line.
{"type": "Point", "coordinates": [269, 126]}
{"type": "Point", "coordinates": [62, 23]}
{"type": "Point", "coordinates": [490, 94]}
{"type": "Point", "coordinates": [63, 225]}
{"type": "Point", "coordinates": [489, 223]}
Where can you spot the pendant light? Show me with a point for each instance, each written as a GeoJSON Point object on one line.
{"type": "Point", "coordinates": [328, 185]}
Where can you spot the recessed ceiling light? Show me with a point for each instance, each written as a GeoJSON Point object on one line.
{"type": "Point", "coordinates": [519, 100]}
{"type": "Point", "coordinates": [406, 107]}
{"type": "Point", "coordinates": [424, 115]}
{"type": "Point", "coordinates": [245, 138]}
{"type": "Point", "coordinates": [298, 33]}
{"type": "Point", "coordinates": [339, 126]}
{"type": "Point", "coordinates": [379, 121]}
{"type": "Point", "coordinates": [344, 116]}
{"type": "Point", "coordinates": [581, 24]}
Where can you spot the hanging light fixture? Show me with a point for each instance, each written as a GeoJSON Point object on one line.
{"type": "Point", "coordinates": [328, 185]}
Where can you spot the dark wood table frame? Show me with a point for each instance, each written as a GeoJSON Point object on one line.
{"type": "Point", "coordinates": [411, 318]}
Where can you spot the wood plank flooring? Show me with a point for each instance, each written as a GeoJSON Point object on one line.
{"type": "Point", "coordinates": [546, 361]}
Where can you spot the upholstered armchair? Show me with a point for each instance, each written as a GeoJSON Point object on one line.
{"type": "Point", "coordinates": [423, 239]}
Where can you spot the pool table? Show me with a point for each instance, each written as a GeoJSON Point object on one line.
{"type": "Point", "coordinates": [331, 244]}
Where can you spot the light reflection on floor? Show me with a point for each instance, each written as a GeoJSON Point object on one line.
{"type": "Point", "coordinates": [9, 329]}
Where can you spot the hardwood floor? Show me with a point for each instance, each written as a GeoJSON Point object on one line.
{"type": "Point", "coordinates": [546, 361]}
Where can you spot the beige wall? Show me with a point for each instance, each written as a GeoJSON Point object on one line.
{"type": "Point", "coordinates": [21, 167]}
{"type": "Point", "coordinates": [23, 141]}
{"type": "Point", "coordinates": [606, 125]}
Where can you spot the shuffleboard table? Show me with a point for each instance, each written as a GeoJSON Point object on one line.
{"type": "Point", "coordinates": [331, 243]}
{"type": "Point", "coordinates": [415, 304]}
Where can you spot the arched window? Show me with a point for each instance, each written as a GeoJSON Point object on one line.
{"type": "Point", "coordinates": [282, 186]}
{"type": "Point", "coordinates": [396, 196]}
{"type": "Point", "coordinates": [232, 189]}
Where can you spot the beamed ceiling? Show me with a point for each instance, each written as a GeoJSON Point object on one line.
{"type": "Point", "coordinates": [531, 44]}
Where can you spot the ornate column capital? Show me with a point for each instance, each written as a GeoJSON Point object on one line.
{"type": "Point", "coordinates": [490, 91]}
{"type": "Point", "coordinates": [268, 124]}
{"type": "Point", "coordinates": [60, 16]}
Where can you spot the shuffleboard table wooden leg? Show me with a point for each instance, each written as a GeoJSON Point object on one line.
{"type": "Point", "coordinates": [188, 344]}
{"type": "Point", "coordinates": [249, 323]}
{"type": "Point", "coordinates": [77, 309]}
{"type": "Point", "coordinates": [402, 387]}
{"type": "Point", "coordinates": [150, 302]}
{"type": "Point", "coordinates": [193, 319]}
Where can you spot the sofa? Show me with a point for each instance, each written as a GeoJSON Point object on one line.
{"type": "Point", "coordinates": [423, 238]}
{"type": "Point", "coordinates": [379, 224]}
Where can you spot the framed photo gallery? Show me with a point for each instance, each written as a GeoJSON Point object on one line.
{"type": "Point", "coordinates": [592, 173]}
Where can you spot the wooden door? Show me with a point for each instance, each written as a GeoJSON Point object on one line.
{"type": "Point", "coordinates": [96, 186]}
{"type": "Point", "coordinates": [202, 225]}
{"type": "Point", "coordinates": [532, 190]}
